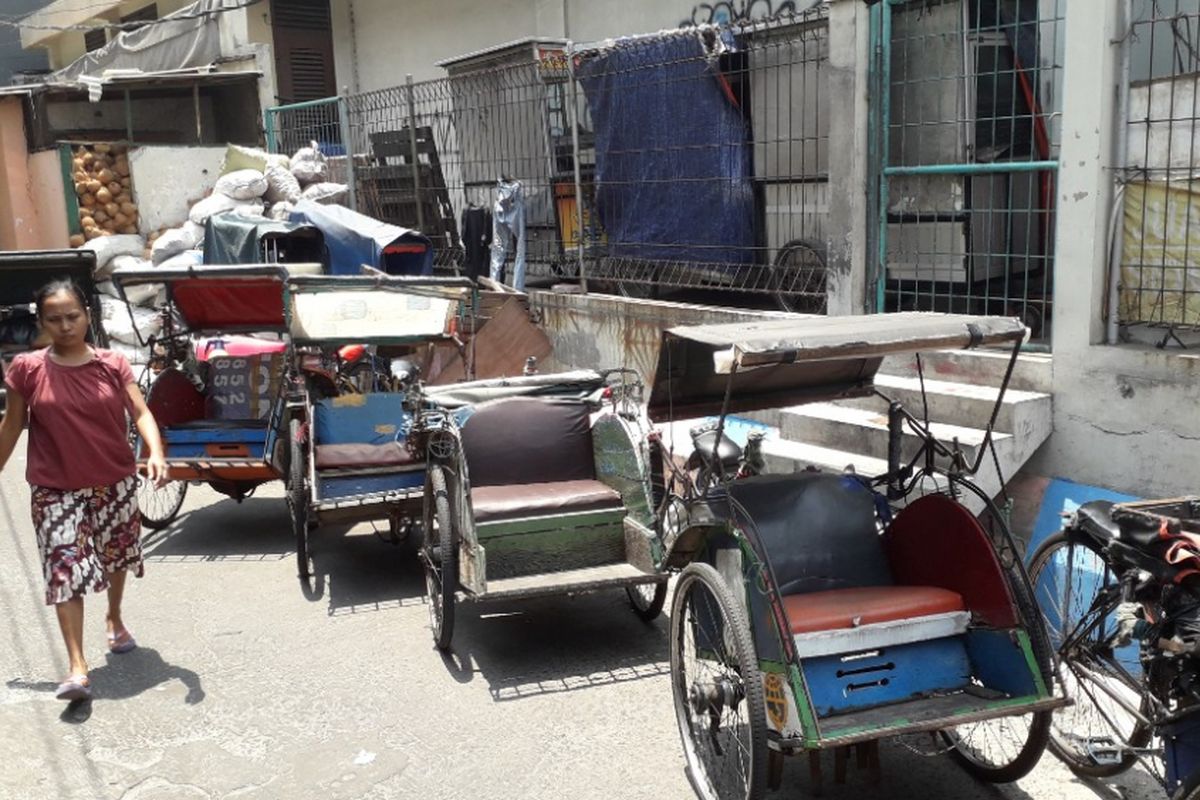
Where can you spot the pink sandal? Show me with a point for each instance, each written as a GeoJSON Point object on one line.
{"type": "Point", "coordinates": [75, 687]}
{"type": "Point", "coordinates": [121, 642]}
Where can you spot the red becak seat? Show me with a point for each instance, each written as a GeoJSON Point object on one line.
{"type": "Point", "coordinates": [833, 609]}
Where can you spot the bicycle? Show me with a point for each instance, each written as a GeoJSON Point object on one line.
{"type": "Point", "coordinates": [1125, 625]}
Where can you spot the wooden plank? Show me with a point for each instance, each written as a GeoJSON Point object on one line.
{"type": "Point", "coordinates": [574, 581]}
{"type": "Point", "coordinates": [501, 347]}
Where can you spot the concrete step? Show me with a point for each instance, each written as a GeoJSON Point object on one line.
{"type": "Point", "coordinates": [783, 455]}
{"type": "Point", "coordinates": [1033, 371]}
{"type": "Point", "coordinates": [964, 404]}
{"type": "Point", "coordinates": [861, 430]}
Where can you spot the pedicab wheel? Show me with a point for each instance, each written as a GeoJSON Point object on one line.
{"type": "Point", "coordinates": [439, 554]}
{"type": "Point", "coordinates": [717, 689]}
{"type": "Point", "coordinates": [797, 277]}
{"type": "Point", "coordinates": [297, 497]}
{"type": "Point", "coordinates": [1068, 574]}
{"type": "Point", "coordinates": [1189, 789]}
{"type": "Point", "coordinates": [159, 505]}
{"type": "Point", "coordinates": [647, 599]}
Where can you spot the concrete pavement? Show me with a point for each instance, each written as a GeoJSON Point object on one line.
{"type": "Point", "coordinates": [245, 687]}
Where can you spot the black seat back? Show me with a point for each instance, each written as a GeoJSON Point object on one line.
{"type": "Point", "coordinates": [522, 440]}
{"type": "Point", "coordinates": [818, 529]}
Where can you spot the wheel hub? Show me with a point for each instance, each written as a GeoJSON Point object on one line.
{"type": "Point", "coordinates": [714, 697]}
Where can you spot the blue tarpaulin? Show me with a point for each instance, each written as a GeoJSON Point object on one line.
{"type": "Point", "coordinates": [355, 239]}
{"type": "Point", "coordinates": [673, 160]}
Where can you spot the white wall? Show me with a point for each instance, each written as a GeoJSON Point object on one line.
{"type": "Point", "coordinates": [168, 180]}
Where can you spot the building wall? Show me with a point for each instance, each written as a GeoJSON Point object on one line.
{"type": "Point", "coordinates": [48, 199]}
{"type": "Point", "coordinates": [168, 180]}
{"type": "Point", "coordinates": [66, 46]}
{"type": "Point", "coordinates": [32, 206]}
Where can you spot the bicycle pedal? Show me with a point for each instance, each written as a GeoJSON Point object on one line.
{"type": "Point", "coordinates": [1103, 750]}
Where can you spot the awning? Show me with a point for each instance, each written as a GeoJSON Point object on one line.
{"type": "Point", "coordinates": [784, 362]}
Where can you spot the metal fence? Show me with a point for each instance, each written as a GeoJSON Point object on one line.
{"type": "Point", "coordinates": [966, 142]}
{"type": "Point", "coordinates": [694, 159]}
{"type": "Point", "coordinates": [1158, 248]}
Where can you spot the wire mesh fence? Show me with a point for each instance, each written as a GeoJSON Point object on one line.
{"type": "Point", "coordinates": [967, 131]}
{"type": "Point", "coordinates": [1157, 191]}
{"type": "Point", "coordinates": [688, 159]}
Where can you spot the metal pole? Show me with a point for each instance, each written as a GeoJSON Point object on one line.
{"type": "Point", "coordinates": [885, 114]}
{"type": "Point", "coordinates": [1120, 161]}
{"type": "Point", "coordinates": [343, 106]}
{"type": "Point", "coordinates": [572, 120]}
{"type": "Point", "coordinates": [412, 143]}
{"type": "Point", "coordinates": [128, 120]}
{"type": "Point", "coordinates": [269, 130]}
{"type": "Point", "coordinates": [196, 108]}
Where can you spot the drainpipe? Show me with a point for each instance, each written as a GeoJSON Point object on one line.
{"type": "Point", "coordinates": [1116, 226]}
{"type": "Point", "coordinates": [353, 47]}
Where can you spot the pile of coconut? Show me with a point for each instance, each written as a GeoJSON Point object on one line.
{"type": "Point", "coordinates": [104, 191]}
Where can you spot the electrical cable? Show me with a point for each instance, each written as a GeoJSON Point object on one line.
{"type": "Point", "coordinates": [126, 26]}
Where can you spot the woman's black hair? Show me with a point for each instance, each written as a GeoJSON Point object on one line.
{"type": "Point", "coordinates": [56, 286]}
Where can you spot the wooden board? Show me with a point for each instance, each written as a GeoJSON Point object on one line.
{"type": "Point", "coordinates": [570, 581]}
{"type": "Point", "coordinates": [500, 348]}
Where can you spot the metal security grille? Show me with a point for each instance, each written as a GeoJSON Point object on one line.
{"type": "Point", "coordinates": [966, 140]}
{"type": "Point", "coordinates": [1158, 194]}
{"type": "Point", "coordinates": [597, 169]}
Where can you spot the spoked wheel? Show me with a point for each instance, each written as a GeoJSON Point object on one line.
{"type": "Point", "coordinates": [797, 277]}
{"type": "Point", "coordinates": [159, 505]}
{"type": "Point", "coordinates": [297, 496]}
{"type": "Point", "coordinates": [439, 554]}
{"type": "Point", "coordinates": [1078, 594]}
{"type": "Point", "coordinates": [1000, 750]}
{"type": "Point", "coordinates": [647, 599]}
{"type": "Point", "coordinates": [717, 689]}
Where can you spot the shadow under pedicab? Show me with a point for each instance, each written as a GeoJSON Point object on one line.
{"type": "Point", "coordinates": [549, 645]}
{"type": "Point", "coordinates": [359, 572]}
{"type": "Point", "coordinates": [257, 529]}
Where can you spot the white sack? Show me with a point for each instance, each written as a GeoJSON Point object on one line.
{"type": "Point", "coordinates": [242, 184]}
{"type": "Point", "coordinates": [325, 192]}
{"type": "Point", "coordinates": [282, 185]}
{"type": "Point", "coordinates": [115, 316]}
{"type": "Point", "coordinates": [308, 165]}
{"type": "Point", "coordinates": [107, 248]}
{"type": "Point", "coordinates": [184, 260]}
{"type": "Point", "coordinates": [175, 241]}
{"type": "Point", "coordinates": [215, 203]}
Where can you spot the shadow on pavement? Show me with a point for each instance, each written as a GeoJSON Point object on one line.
{"type": "Point", "coordinates": [257, 529]}
{"type": "Point", "coordinates": [359, 572]}
{"type": "Point", "coordinates": [130, 674]}
{"type": "Point", "coordinates": [558, 644]}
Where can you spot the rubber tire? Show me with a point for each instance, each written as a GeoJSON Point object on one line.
{"type": "Point", "coordinates": [298, 497]}
{"type": "Point", "coordinates": [1039, 727]}
{"type": "Point", "coordinates": [157, 524]}
{"type": "Point", "coordinates": [442, 593]}
{"type": "Point", "coordinates": [781, 299]}
{"type": "Point", "coordinates": [1141, 735]}
{"type": "Point", "coordinates": [647, 612]}
{"type": "Point", "coordinates": [743, 643]}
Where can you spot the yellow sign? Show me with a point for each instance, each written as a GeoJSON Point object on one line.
{"type": "Point", "coordinates": [776, 700]}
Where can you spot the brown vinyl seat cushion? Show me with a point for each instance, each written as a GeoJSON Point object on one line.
{"type": "Point", "coordinates": [497, 503]}
{"type": "Point", "coordinates": [363, 456]}
{"type": "Point", "coordinates": [532, 457]}
{"type": "Point", "coordinates": [863, 605]}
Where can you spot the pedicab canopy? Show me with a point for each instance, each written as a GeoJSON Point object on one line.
{"type": "Point", "coordinates": [782, 362]}
{"type": "Point", "coordinates": [221, 299]}
{"type": "Point", "coordinates": [355, 240]}
{"type": "Point", "coordinates": [374, 308]}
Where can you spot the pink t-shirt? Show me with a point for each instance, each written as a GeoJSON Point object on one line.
{"type": "Point", "coordinates": [78, 430]}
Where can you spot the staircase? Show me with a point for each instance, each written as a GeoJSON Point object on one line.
{"type": "Point", "coordinates": [960, 389]}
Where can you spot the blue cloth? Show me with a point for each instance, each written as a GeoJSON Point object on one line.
{"type": "Point", "coordinates": [673, 158]}
{"type": "Point", "coordinates": [355, 240]}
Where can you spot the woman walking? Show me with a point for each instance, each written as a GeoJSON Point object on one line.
{"type": "Point", "coordinates": [81, 469]}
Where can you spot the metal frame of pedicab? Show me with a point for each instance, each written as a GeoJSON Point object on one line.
{"type": "Point", "coordinates": [377, 310]}
{"type": "Point", "coordinates": [242, 299]}
{"type": "Point", "coordinates": [724, 369]}
{"type": "Point", "coordinates": [459, 572]}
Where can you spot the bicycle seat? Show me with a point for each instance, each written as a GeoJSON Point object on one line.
{"type": "Point", "coordinates": [709, 450]}
{"type": "Point", "coordinates": [1095, 517]}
